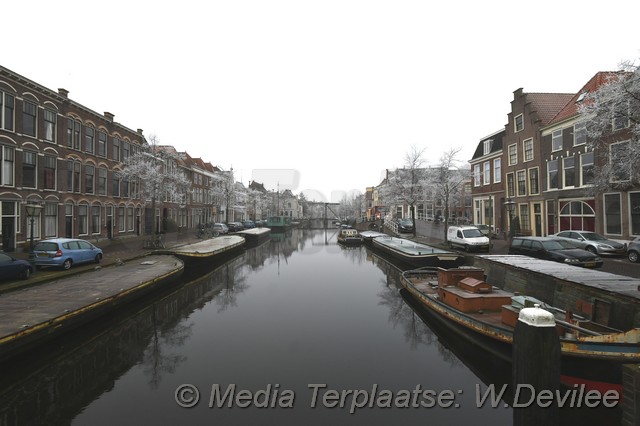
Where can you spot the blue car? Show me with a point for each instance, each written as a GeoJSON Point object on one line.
{"type": "Point", "coordinates": [65, 252]}
{"type": "Point", "coordinates": [11, 268]}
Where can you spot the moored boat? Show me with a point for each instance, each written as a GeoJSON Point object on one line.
{"type": "Point", "coordinates": [349, 237]}
{"type": "Point", "coordinates": [206, 250]}
{"type": "Point", "coordinates": [417, 254]}
{"type": "Point", "coordinates": [279, 223]}
{"type": "Point", "coordinates": [255, 235]}
{"type": "Point", "coordinates": [460, 296]}
{"type": "Point", "coordinates": [368, 236]}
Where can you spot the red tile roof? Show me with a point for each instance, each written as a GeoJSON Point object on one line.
{"type": "Point", "coordinates": [547, 105]}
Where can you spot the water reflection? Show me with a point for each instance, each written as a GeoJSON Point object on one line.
{"type": "Point", "coordinates": [296, 310]}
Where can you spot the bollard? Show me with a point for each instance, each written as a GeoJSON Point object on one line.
{"type": "Point", "coordinates": [536, 368]}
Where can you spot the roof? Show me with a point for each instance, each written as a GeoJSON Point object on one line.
{"type": "Point", "coordinates": [571, 108]}
{"type": "Point", "coordinates": [547, 105]}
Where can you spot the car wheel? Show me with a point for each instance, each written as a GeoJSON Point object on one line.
{"type": "Point", "coordinates": [633, 256]}
{"type": "Point", "coordinates": [592, 249]}
{"type": "Point", "coordinates": [26, 273]}
{"type": "Point", "coordinates": [67, 264]}
{"type": "Point", "coordinates": [98, 258]}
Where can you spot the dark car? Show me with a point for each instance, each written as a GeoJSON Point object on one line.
{"type": "Point", "coordinates": [555, 249]}
{"type": "Point", "coordinates": [634, 250]}
{"type": "Point", "coordinates": [65, 252]}
{"type": "Point", "coordinates": [11, 268]}
{"type": "Point", "coordinates": [405, 225]}
{"type": "Point", "coordinates": [248, 224]}
{"type": "Point", "coordinates": [235, 226]}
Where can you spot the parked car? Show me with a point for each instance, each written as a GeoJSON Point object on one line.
{"type": "Point", "coordinates": [65, 252]}
{"type": "Point", "coordinates": [260, 223]}
{"type": "Point", "coordinates": [248, 224]}
{"type": "Point", "coordinates": [485, 229]}
{"type": "Point", "coordinates": [221, 228]}
{"type": "Point", "coordinates": [593, 242]}
{"type": "Point", "coordinates": [405, 225]}
{"type": "Point", "coordinates": [555, 249]}
{"type": "Point", "coordinates": [11, 268]}
{"type": "Point", "coordinates": [235, 226]}
{"type": "Point", "coordinates": [468, 237]}
{"type": "Point", "coordinates": [634, 250]}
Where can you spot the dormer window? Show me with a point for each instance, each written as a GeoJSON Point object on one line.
{"type": "Point", "coordinates": [487, 146]}
{"type": "Point", "coordinates": [518, 123]}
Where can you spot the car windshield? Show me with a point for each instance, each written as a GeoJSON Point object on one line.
{"type": "Point", "coordinates": [592, 236]}
{"type": "Point", "coordinates": [471, 233]}
{"type": "Point", "coordinates": [406, 222]}
{"type": "Point", "coordinates": [557, 245]}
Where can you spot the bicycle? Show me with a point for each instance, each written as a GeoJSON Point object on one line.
{"type": "Point", "coordinates": [154, 242]}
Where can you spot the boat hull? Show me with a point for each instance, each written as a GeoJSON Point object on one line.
{"type": "Point", "coordinates": [416, 254]}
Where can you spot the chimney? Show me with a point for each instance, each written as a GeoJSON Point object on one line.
{"type": "Point", "coordinates": [63, 92]}
{"type": "Point", "coordinates": [140, 132]}
{"type": "Point", "coordinates": [108, 116]}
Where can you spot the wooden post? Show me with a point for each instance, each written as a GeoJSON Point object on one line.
{"type": "Point", "coordinates": [536, 368]}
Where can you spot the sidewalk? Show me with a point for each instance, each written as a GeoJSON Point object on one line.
{"type": "Point", "coordinates": [114, 251]}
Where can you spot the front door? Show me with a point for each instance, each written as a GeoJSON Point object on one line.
{"type": "Point", "coordinates": [8, 234]}
{"type": "Point", "coordinates": [537, 218]}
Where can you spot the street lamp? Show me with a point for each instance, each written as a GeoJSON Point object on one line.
{"type": "Point", "coordinates": [32, 210]}
{"type": "Point", "coordinates": [510, 205]}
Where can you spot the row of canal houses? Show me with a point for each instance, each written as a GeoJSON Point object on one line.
{"type": "Point", "coordinates": [59, 163]}
{"type": "Point", "coordinates": [540, 169]}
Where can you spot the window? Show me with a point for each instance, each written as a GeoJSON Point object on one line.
{"type": "Point", "coordinates": [487, 146]}
{"type": "Point", "coordinates": [130, 218]}
{"type": "Point", "coordinates": [29, 114]}
{"type": "Point", "coordinates": [115, 185]}
{"type": "Point", "coordinates": [126, 149]}
{"type": "Point", "coordinates": [29, 160]}
{"type": "Point", "coordinates": [552, 174]}
{"type": "Point", "coordinates": [6, 111]}
{"type": "Point", "coordinates": [587, 168]}
{"type": "Point", "coordinates": [83, 219]}
{"type": "Point", "coordinates": [69, 132]}
{"type": "Point", "coordinates": [89, 136]}
{"type": "Point", "coordinates": [511, 190]}
{"type": "Point", "coordinates": [73, 176]}
{"type": "Point", "coordinates": [521, 177]}
{"type": "Point", "coordinates": [487, 173]}
{"type": "Point", "coordinates": [49, 125]}
{"type": "Point", "coordinates": [89, 176]}
{"type": "Point", "coordinates": [102, 144]}
{"type": "Point", "coordinates": [95, 219]}
{"type": "Point", "coordinates": [634, 205]}
{"type": "Point", "coordinates": [50, 219]}
{"type": "Point", "coordinates": [121, 219]}
{"type": "Point", "coordinates": [568, 172]}
{"type": "Point", "coordinates": [476, 175]}
{"type": "Point", "coordinates": [534, 187]}
{"type": "Point", "coordinates": [513, 154]}
{"type": "Point", "coordinates": [125, 186]}
{"type": "Point", "coordinates": [621, 117]}
{"type": "Point", "coordinates": [77, 131]}
{"type": "Point", "coordinates": [102, 181]}
{"type": "Point", "coordinates": [580, 133]}
{"type": "Point", "coordinates": [527, 147]}
{"type": "Point", "coordinates": [618, 153]}
{"type": "Point", "coordinates": [116, 149]}
{"type": "Point", "coordinates": [612, 214]}
{"type": "Point", "coordinates": [556, 140]}
{"type": "Point", "coordinates": [7, 163]}
{"type": "Point", "coordinates": [497, 170]}
{"type": "Point", "coordinates": [518, 123]}
{"type": "Point", "coordinates": [49, 172]}
{"type": "Point", "coordinates": [524, 216]}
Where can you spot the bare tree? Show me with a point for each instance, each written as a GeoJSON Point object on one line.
{"type": "Point", "coordinates": [405, 186]}
{"type": "Point", "coordinates": [611, 115]}
{"type": "Point", "coordinates": [446, 181]}
{"type": "Point", "coordinates": [156, 176]}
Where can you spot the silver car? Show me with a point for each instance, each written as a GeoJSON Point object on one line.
{"type": "Point", "coordinates": [633, 251]}
{"type": "Point", "coordinates": [593, 242]}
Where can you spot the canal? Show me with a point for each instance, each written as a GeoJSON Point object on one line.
{"type": "Point", "coordinates": [298, 330]}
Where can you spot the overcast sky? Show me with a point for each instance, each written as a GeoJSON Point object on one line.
{"type": "Point", "coordinates": [320, 96]}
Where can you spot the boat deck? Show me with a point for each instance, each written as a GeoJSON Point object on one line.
{"type": "Point", "coordinates": [410, 247]}
{"type": "Point", "coordinates": [207, 248]}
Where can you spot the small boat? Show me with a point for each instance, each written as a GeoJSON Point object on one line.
{"type": "Point", "coordinates": [368, 236]}
{"type": "Point", "coordinates": [254, 235]}
{"type": "Point", "coordinates": [461, 297]}
{"type": "Point", "coordinates": [349, 237]}
{"type": "Point", "coordinates": [206, 250]}
{"type": "Point", "coordinates": [279, 223]}
{"type": "Point", "coordinates": [417, 254]}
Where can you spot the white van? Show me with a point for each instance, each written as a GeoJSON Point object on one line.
{"type": "Point", "coordinates": [469, 238]}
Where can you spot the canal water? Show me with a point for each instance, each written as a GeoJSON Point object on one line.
{"type": "Point", "coordinates": [298, 330]}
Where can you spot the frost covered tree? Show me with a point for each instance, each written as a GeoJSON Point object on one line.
{"type": "Point", "coordinates": [405, 186]}
{"type": "Point", "coordinates": [155, 177]}
{"type": "Point", "coordinates": [445, 181]}
{"type": "Point", "coordinates": [611, 115]}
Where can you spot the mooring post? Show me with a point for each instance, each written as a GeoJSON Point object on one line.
{"type": "Point", "coordinates": [536, 368]}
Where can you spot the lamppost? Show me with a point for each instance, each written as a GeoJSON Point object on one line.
{"type": "Point", "coordinates": [510, 206]}
{"type": "Point", "coordinates": [32, 210]}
